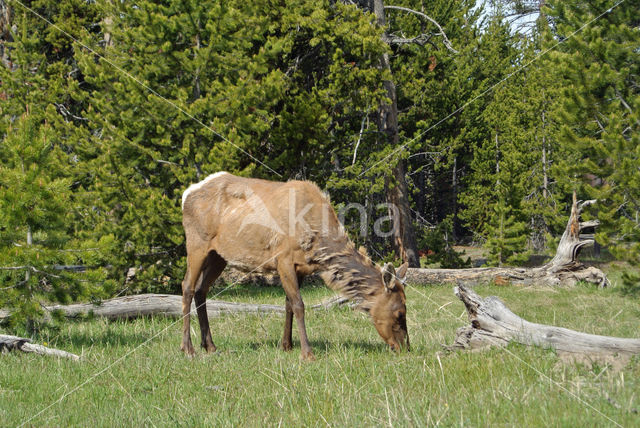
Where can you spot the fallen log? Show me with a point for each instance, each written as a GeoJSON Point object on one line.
{"type": "Point", "coordinates": [563, 269]}
{"type": "Point", "coordinates": [15, 343]}
{"type": "Point", "coordinates": [508, 276]}
{"type": "Point", "coordinates": [128, 307]}
{"type": "Point", "coordinates": [493, 324]}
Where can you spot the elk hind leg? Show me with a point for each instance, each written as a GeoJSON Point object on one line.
{"type": "Point", "coordinates": [195, 260]}
{"type": "Point", "coordinates": [213, 267]}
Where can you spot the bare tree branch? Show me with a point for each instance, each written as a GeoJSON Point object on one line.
{"type": "Point", "coordinates": [355, 151]}
{"type": "Point", "coordinates": [625, 105]}
{"type": "Point", "coordinates": [446, 40]}
{"type": "Point", "coordinates": [421, 40]}
{"type": "Point", "coordinates": [14, 267]}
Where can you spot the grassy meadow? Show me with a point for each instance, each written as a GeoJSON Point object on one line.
{"type": "Point", "coordinates": [132, 373]}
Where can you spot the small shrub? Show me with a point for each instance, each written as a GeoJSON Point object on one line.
{"type": "Point", "coordinates": [439, 240]}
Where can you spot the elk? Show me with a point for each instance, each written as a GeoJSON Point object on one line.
{"type": "Point", "coordinates": [286, 227]}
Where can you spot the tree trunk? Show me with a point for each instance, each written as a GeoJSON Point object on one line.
{"type": "Point", "coordinates": [107, 25]}
{"type": "Point", "coordinates": [454, 200]}
{"type": "Point", "coordinates": [27, 275]}
{"type": "Point", "coordinates": [563, 269]}
{"type": "Point", "coordinates": [566, 257]}
{"type": "Point", "coordinates": [129, 307]}
{"type": "Point", "coordinates": [5, 34]}
{"type": "Point", "coordinates": [404, 240]}
{"type": "Point", "coordinates": [545, 178]}
{"type": "Point", "coordinates": [15, 343]}
{"type": "Point", "coordinates": [493, 324]}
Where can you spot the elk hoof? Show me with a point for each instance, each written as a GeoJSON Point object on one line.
{"type": "Point", "coordinates": [209, 348]}
{"type": "Point", "coordinates": [188, 350]}
{"type": "Point", "coordinates": [286, 346]}
{"type": "Point", "coordinates": [307, 356]}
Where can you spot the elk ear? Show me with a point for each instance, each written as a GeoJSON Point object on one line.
{"type": "Point", "coordinates": [401, 274]}
{"type": "Point", "coordinates": [389, 276]}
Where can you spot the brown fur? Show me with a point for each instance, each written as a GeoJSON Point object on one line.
{"type": "Point", "coordinates": [246, 223]}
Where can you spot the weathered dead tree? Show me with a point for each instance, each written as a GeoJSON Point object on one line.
{"type": "Point", "coordinates": [493, 324]}
{"type": "Point", "coordinates": [15, 343]}
{"type": "Point", "coordinates": [563, 269]}
{"type": "Point", "coordinates": [129, 307]}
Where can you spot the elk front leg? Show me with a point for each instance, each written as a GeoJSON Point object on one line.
{"type": "Point", "coordinates": [288, 324]}
{"type": "Point", "coordinates": [187, 296]}
{"type": "Point", "coordinates": [289, 279]}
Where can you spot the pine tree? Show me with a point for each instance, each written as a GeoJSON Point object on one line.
{"type": "Point", "coordinates": [507, 237]}
{"type": "Point", "coordinates": [546, 196]}
{"type": "Point", "coordinates": [42, 200]}
{"type": "Point", "coordinates": [512, 167]}
{"type": "Point", "coordinates": [447, 114]}
{"type": "Point", "coordinates": [36, 241]}
{"type": "Point", "coordinates": [601, 114]}
{"type": "Point", "coordinates": [431, 85]}
{"type": "Point", "coordinates": [494, 147]}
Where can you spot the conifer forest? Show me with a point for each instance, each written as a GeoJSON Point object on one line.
{"type": "Point", "coordinates": [477, 120]}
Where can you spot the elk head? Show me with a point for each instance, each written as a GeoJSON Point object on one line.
{"type": "Point", "coordinates": [389, 311]}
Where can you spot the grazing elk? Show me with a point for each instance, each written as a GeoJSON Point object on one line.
{"type": "Point", "coordinates": [289, 228]}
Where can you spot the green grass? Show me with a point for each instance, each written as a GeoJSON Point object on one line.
{"type": "Point", "coordinates": [125, 380]}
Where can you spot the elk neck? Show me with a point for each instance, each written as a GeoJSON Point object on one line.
{"type": "Point", "coordinates": [348, 271]}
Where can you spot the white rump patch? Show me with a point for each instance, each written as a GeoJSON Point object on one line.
{"type": "Point", "coordinates": [196, 186]}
